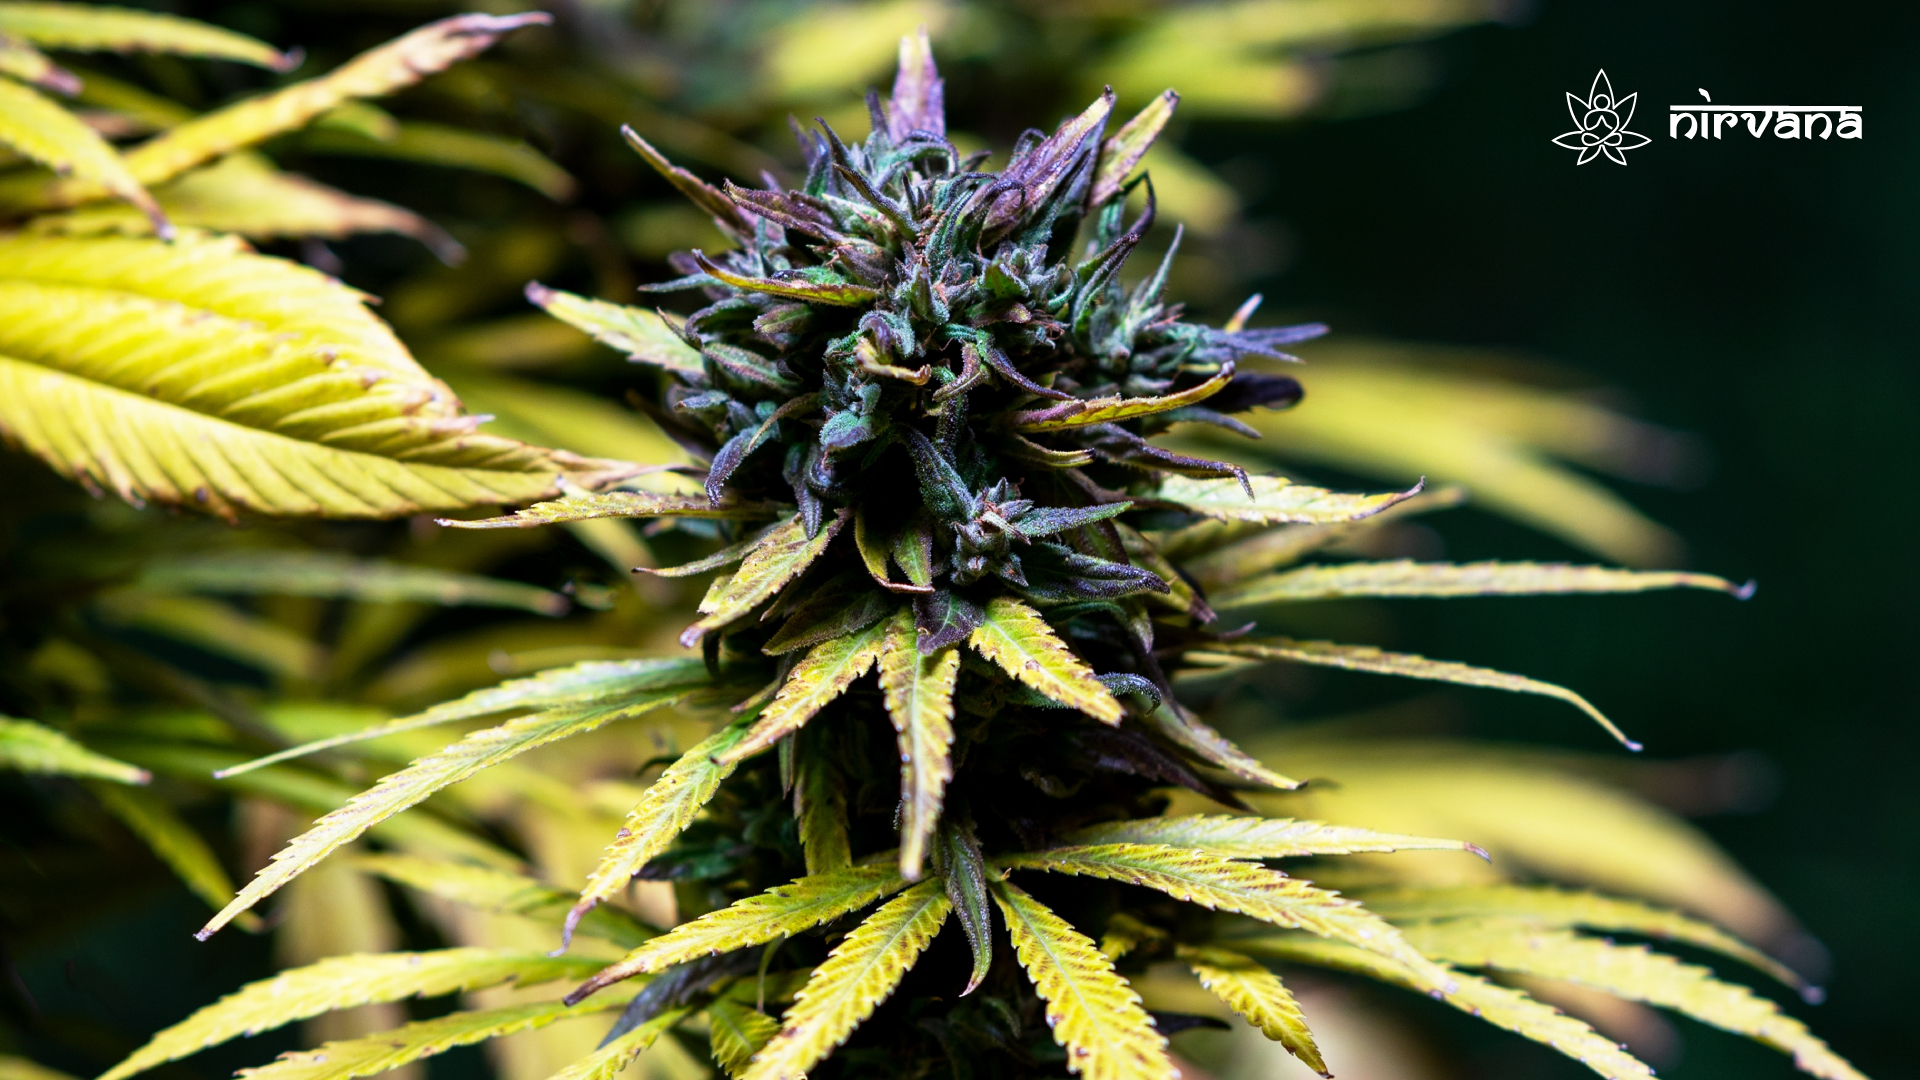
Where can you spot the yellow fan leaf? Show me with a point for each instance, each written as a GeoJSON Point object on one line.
{"type": "Point", "coordinates": [857, 976]}
{"type": "Point", "coordinates": [453, 147]}
{"type": "Point", "coordinates": [1179, 723]}
{"type": "Point", "coordinates": [332, 575]}
{"type": "Point", "coordinates": [779, 912]}
{"type": "Point", "coordinates": [29, 747]}
{"type": "Point", "coordinates": [820, 807]}
{"type": "Point", "coordinates": [200, 373]}
{"type": "Point", "coordinates": [19, 1068]}
{"type": "Point", "coordinates": [664, 812]}
{"type": "Point", "coordinates": [387, 1050]}
{"type": "Point", "coordinates": [504, 892]}
{"type": "Point", "coordinates": [342, 982]}
{"type": "Point", "coordinates": [1633, 972]}
{"type": "Point", "coordinates": [1124, 148]}
{"type": "Point", "coordinates": [822, 675]}
{"type": "Point", "coordinates": [1223, 884]}
{"type": "Point", "coordinates": [1018, 639]}
{"type": "Point", "coordinates": [1275, 500]}
{"type": "Point", "coordinates": [586, 506]}
{"type": "Point", "coordinates": [1084, 412]}
{"type": "Point", "coordinates": [1094, 1014]}
{"type": "Point", "coordinates": [1497, 1005]}
{"type": "Point", "coordinates": [28, 64]}
{"type": "Point", "coordinates": [571, 419]}
{"type": "Point", "coordinates": [1257, 994]}
{"type": "Point", "coordinates": [1258, 837]}
{"type": "Point", "coordinates": [737, 1032]}
{"type": "Point", "coordinates": [1230, 559]}
{"type": "Point", "coordinates": [1541, 905]}
{"type": "Point", "coordinates": [1405, 577]}
{"type": "Point", "coordinates": [172, 840]}
{"type": "Point", "coordinates": [919, 698]}
{"type": "Point", "coordinates": [643, 335]}
{"type": "Point", "coordinates": [594, 682]}
{"type": "Point", "coordinates": [610, 1058]}
{"type": "Point", "coordinates": [46, 133]}
{"type": "Point", "coordinates": [413, 784]}
{"type": "Point", "coordinates": [1408, 665]}
{"type": "Point", "coordinates": [99, 28]}
{"type": "Point", "coordinates": [783, 554]}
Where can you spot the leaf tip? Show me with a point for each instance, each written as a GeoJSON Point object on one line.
{"type": "Point", "coordinates": [288, 61]}
{"type": "Point", "coordinates": [1476, 849]}
{"type": "Point", "coordinates": [1745, 592]}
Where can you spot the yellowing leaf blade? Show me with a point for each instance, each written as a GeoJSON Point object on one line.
{"type": "Point", "coordinates": [821, 676]}
{"type": "Point", "coordinates": [919, 700]}
{"type": "Point", "coordinates": [45, 132]}
{"type": "Point", "coordinates": [100, 28]}
{"type": "Point", "coordinates": [1275, 500]}
{"type": "Point", "coordinates": [643, 335]}
{"type": "Point", "coordinates": [503, 892]}
{"type": "Point", "coordinates": [1082, 413]}
{"type": "Point", "coordinates": [737, 1032]}
{"type": "Point", "coordinates": [36, 748]}
{"type": "Point", "coordinates": [378, 1053]}
{"type": "Point", "coordinates": [588, 506]}
{"type": "Point", "coordinates": [1257, 994]}
{"type": "Point", "coordinates": [782, 555]}
{"type": "Point", "coordinates": [1018, 639]}
{"type": "Point", "coordinates": [1406, 578]}
{"type": "Point", "coordinates": [1257, 837]}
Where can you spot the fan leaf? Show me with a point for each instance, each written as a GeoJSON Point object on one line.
{"type": "Point", "coordinates": [36, 748]}
{"type": "Point", "coordinates": [821, 810]}
{"type": "Point", "coordinates": [1404, 577]}
{"type": "Point", "coordinates": [821, 676]}
{"type": "Point", "coordinates": [503, 892]}
{"type": "Point", "coordinates": [587, 506]}
{"type": "Point", "coordinates": [610, 1058]}
{"type": "Point", "coordinates": [919, 699]}
{"type": "Point", "coordinates": [44, 132]}
{"type": "Point", "coordinates": [336, 576]}
{"type": "Point", "coordinates": [99, 28]}
{"type": "Point", "coordinates": [1124, 148]}
{"type": "Point", "coordinates": [170, 839]}
{"type": "Point", "coordinates": [1018, 639]}
{"type": "Point", "coordinates": [737, 1032]}
{"type": "Point", "coordinates": [858, 975]}
{"type": "Point", "coordinates": [387, 1050]}
{"type": "Point", "coordinates": [1082, 413]}
{"type": "Point", "coordinates": [1257, 994]}
{"type": "Point", "coordinates": [781, 556]}
{"type": "Point", "coordinates": [1275, 500]}
{"type": "Point", "coordinates": [1094, 1014]}
{"type": "Point", "coordinates": [643, 335]}
{"type": "Point", "coordinates": [1258, 837]}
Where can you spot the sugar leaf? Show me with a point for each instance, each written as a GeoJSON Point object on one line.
{"type": "Point", "coordinates": [1018, 639]}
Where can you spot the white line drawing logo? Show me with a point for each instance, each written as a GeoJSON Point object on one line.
{"type": "Point", "coordinates": [1600, 124]}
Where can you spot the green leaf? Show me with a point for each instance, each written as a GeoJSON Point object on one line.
{"type": "Point", "coordinates": [1408, 665]}
{"type": "Point", "coordinates": [821, 676]}
{"type": "Point", "coordinates": [503, 892]}
{"type": "Point", "coordinates": [380, 1052]}
{"type": "Point", "coordinates": [413, 784]}
{"type": "Point", "coordinates": [1094, 1014]}
{"type": "Point", "coordinates": [1633, 972]}
{"type": "Point", "coordinates": [1257, 994]}
{"type": "Point", "coordinates": [643, 335]}
{"type": "Point", "coordinates": [1223, 884]}
{"type": "Point", "coordinates": [258, 384]}
{"type": "Point", "coordinates": [737, 1032]}
{"type": "Point", "coordinates": [1497, 1005]}
{"type": "Point", "coordinates": [593, 682]}
{"type": "Point", "coordinates": [335, 576]}
{"type": "Point", "coordinates": [1124, 148]}
{"type": "Point", "coordinates": [1257, 837]}
{"type": "Point", "coordinates": [99, 28]}
{"type": "Point", "coordinates": [779, 912]}
{"type": "Point", "coordinates": [663, 813]}
{"type": "Point", "coordinates": [29, 747]}
{"type": "Point", "coordinates": [172, 840]}
{"type": "Point", "coordinates": [1018, 639]}
{"type": "Point", "coordinates": [1275, 499]}
{"type": "Point", "coordinates": [919, 700]}
{"type": "Point", "coordinates": [342, 982]}
{"type": "Point", "coordinates": [781, 556]}
{"type": "Point", "coordinates": [860, 973]}
{"type": "Point", "coordinates": [586, 506]}
{"type": "Point", "coordinates": [1067, 415]}
{"type": "Point", "coordinates": [957, 858]}
{"type": "Point", "coordinates": [821, 809]}
{"type": "Point", "coordinates": [1405, 577]}
{"type": "Point", "coordinates": [44, 132]}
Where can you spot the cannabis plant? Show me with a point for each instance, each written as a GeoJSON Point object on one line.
{"type": "Point", "coordinates": [954, 793]}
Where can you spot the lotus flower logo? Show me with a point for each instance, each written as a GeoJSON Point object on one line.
{"type": "Point", "coordinates": [1600, 124]}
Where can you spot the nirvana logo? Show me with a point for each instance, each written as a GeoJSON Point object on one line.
{"type": "Point", "coordinates": [1601, 118]}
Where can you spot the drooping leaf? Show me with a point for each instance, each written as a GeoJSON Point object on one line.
{"type": "Point", "coordinates": [1633, 972]}
{"type": "Point", "coordinates": [172, 840]}
{"type": "Point", "coordinates": [1229, 560]}
{"type": "Point", "coordinates": [1258, 837]}
{"type": "Point", "coordinates": [1497, 1005]}
{"type": "Point", "coordinates": [643, 335]}
{"type": "Point", "coordinates": [821, 810]}
{"type": "Point", "coordinates": [1124, 148]}
{"type": "Point", "coordinates": [36, 748]}
{"type": "Point", "coordinates": [919, 700]}
{"type": "Point", "coordinates": [1094, 1014]}
{"type": "Point", "coordinates": [1217, 882]}
{"type": "Point", "coordinates": [378, 1053]}
{"type": "Point", "coordinates": [778, 912]}
{"type": "Point", "coordinates": [1405, 577]}
{"type": "Point", "coordinates": [586, 506]}
{"type": "Point", "coordinates": [413, 784]}
{"type": "Point", "coordinates": [333, 575]}
{"type": "Point", "coordinates": [1178, 723]}
{"type": "Point", "coordinates": [737, 1032]}
{"type": "Point", "coordinates": [1082, 413]}
{"type": "Point", "coordinates": [1546, 906]}
{"type": "Point", "coordinates": [1018, 639]}
{"type": "Point", "coordinates": [663, 813]}
{"type": "Point", "coordinates": [781, 556]}
{"type": "Point", "coordinates": [40, 130]}
{"type": "Point", "coordinates": [822, 675]}
{"type": "Point", "coordinates": [1408, 665]}
{"type": "Point", "coordinates": [100, 28]}
{"type": "Point", "coordinates": [263, 385]}
{"type": "Point", "coordinates": [1257, 994]}
{"type": "Point", "coordinates": [964, 872]}
{"type": "Point", "coordinates": [845, 604]}
{"type": "Point", "coordinates": [858, 975]}
{"type": "Point", "coordinates": [1275, 500]}
{"type": "Point", "coordinates": [342, 982]}
{"type": "Point", "coordinates": [504, 892]}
